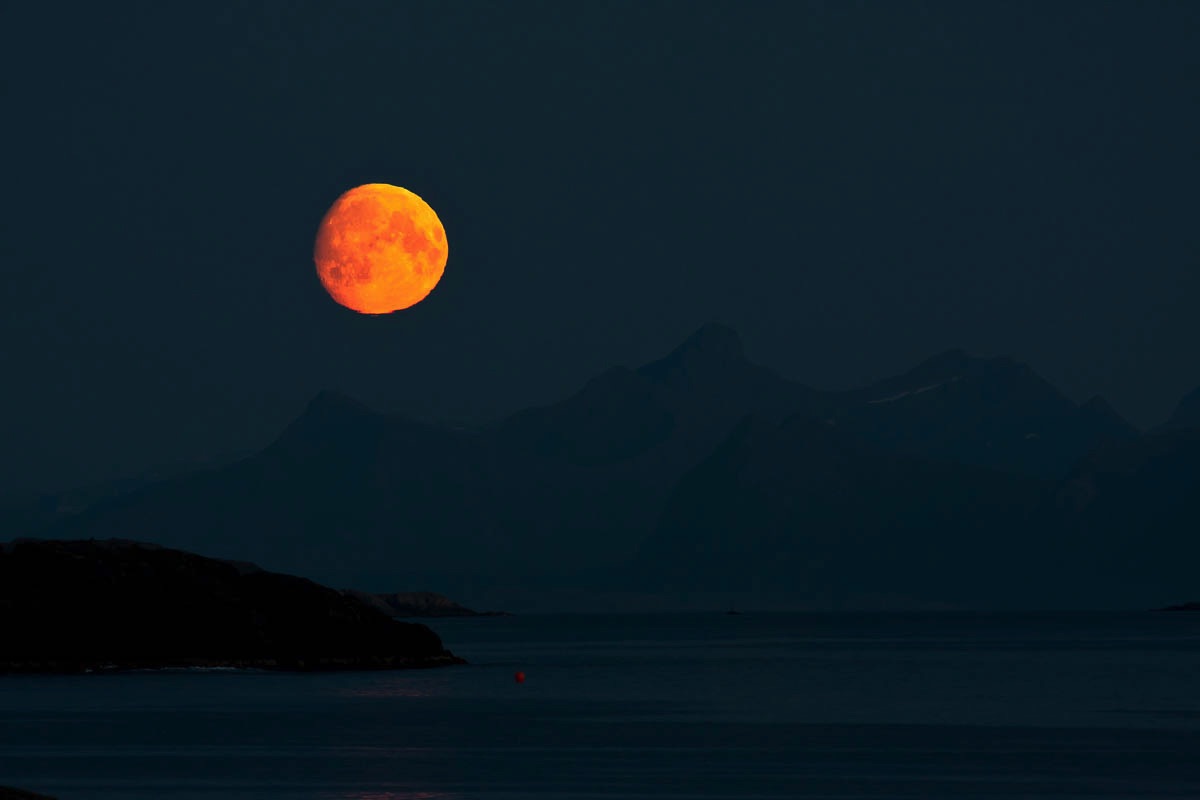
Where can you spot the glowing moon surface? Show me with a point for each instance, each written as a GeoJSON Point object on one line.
{"type": "Point", "coordinates": [380, 248]}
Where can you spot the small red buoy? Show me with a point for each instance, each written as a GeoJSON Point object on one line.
{"type": "Point", "coordinates": [519, 677]}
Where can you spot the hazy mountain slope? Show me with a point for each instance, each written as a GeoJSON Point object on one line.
{"type": "Point", "coordinates": [993, 412]}
{"type": "Point", "coordinates": [806, 509]}
{"type": "Point", "coordinates": [344, 494]}
{"type": "Point", "coordinates": [355, 498]}
{"type": "Point", "coordinates": [358, 498]}
{"type": "Point", "coordinates": [684, 404]}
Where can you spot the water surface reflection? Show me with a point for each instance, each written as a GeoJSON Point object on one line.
{"type": "Point", "coordinates": [398, 686]}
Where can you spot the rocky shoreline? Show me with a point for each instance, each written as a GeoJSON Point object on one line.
{"type": "Point", "coordinates": [7, 793]}
{"type": "Point", "coordinates": [110, 606]}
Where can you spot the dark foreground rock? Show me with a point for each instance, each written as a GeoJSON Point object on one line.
{"type": "Point", "coordinates": [1183, 607]}
{"type": "Point", "coordinates": [79, 606]}
{"type": "Point", "coordinates": [16, 794]}
{"type": "Point", "coordinates": [419, 604]}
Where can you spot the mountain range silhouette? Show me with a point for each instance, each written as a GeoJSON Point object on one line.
{"type": "Point", "coordinates": [964, 482]}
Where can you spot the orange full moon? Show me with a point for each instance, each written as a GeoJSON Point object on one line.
{"type": "Point", "coordinates": [380, 248]}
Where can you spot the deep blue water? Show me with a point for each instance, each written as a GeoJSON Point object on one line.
{"type": "Point", "coordinates": [685, 706]}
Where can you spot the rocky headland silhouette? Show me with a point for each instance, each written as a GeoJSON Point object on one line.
{"type": "Point", "coordinates": [90, 606]}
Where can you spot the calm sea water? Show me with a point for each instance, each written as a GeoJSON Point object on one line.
{"type": "Point", "coordinates": [641, 706]}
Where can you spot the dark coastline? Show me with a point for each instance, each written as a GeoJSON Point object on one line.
{"type": "Point", "coordinates": [73, 607]}
{"type": "Point", "coordinates": [8, 793]}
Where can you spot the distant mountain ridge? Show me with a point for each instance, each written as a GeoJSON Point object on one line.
{"type": "Point", "coordinates": [806, 507]}
{"type": "Point", "coordinates": [994, 412]}
{"type": "Point", "coordinates": [808, 511]}
{"type": "Point", "coordinates": [585, 492]}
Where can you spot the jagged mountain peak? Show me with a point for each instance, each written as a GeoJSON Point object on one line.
{"type": "Point", "coordinates": [951, 367]}
{"type": "Point", "coordinates": [331, 401]}
{"type": "Point", "coordinates": [954, 358]}
{"type": "Point", "coordinates": [711, 347]}
{"type": "Point", "coordinates": [714, 337]}
{"type": "Point", "coordinates": [331, 417]}
{"type": "Point", "coordinates": [959, 363]}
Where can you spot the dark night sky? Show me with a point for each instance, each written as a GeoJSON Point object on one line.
{"type": "Point", "coordinates": [853, 186]}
